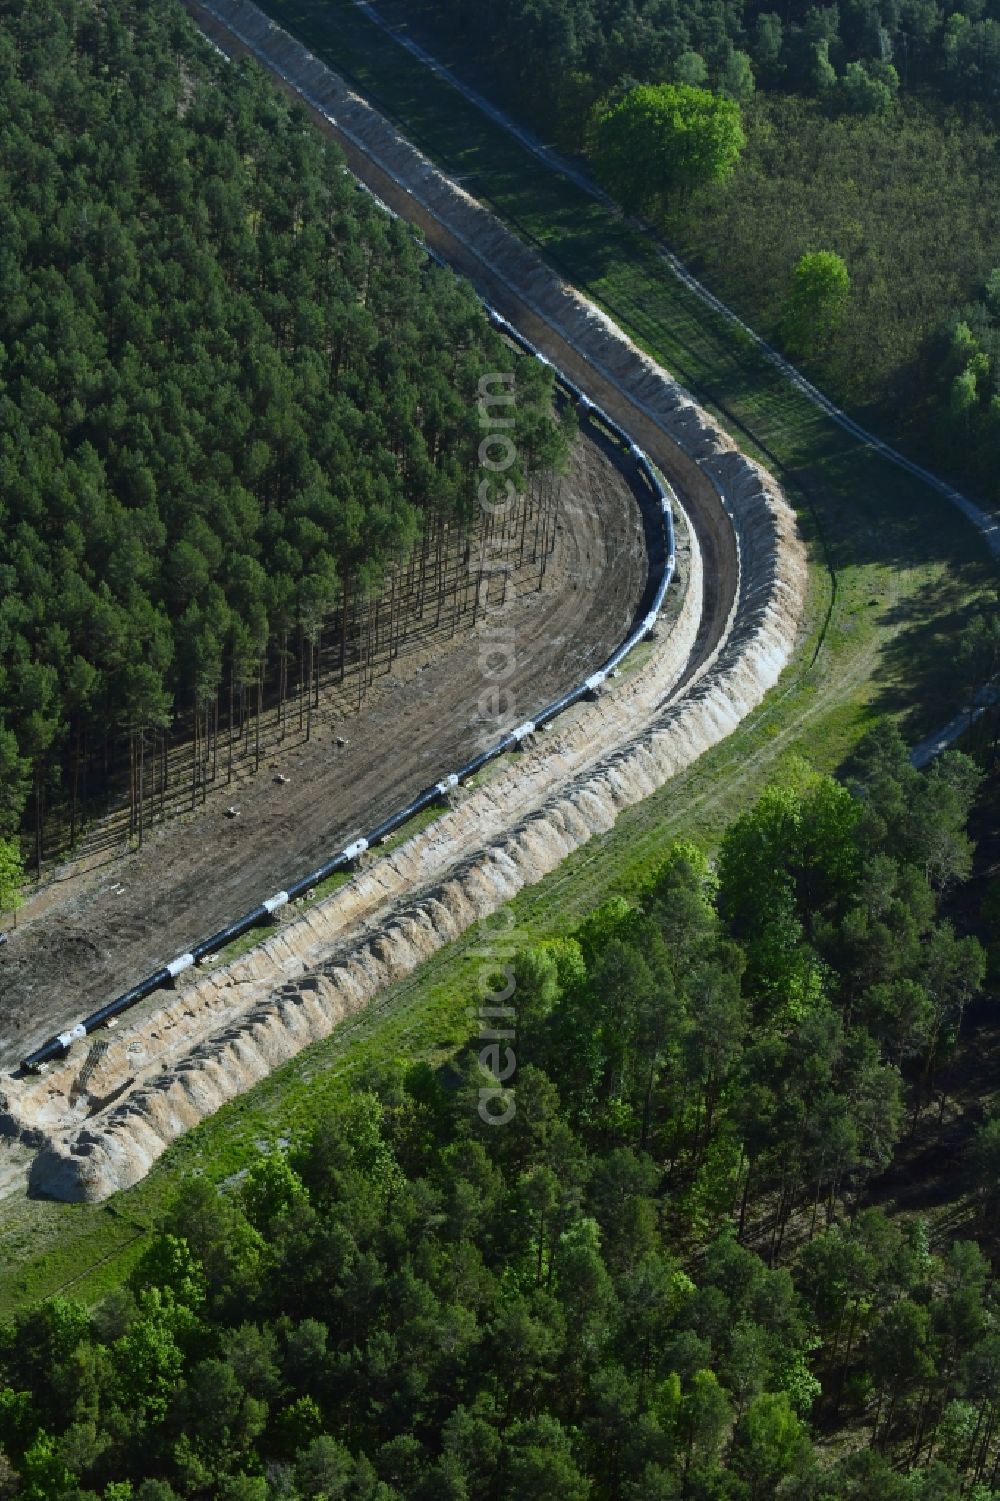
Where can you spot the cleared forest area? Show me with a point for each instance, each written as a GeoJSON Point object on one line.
{"type": "Point", "coordinates": [88, 937]}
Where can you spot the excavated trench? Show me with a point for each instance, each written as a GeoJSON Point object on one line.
{"type": "Point", "coordinates": [102, 1117]}
{"type": "Point", "coordinates": [118, 915]}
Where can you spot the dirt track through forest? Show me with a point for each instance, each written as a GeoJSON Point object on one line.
{"type": "Point", "coordinates": [99, 932]}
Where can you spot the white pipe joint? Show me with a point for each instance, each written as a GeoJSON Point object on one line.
{"type": "Point", "coordinates": [67, 1039]}
{"type": "Point", "coordinates": [354, 850]}
{"type": "Point", "coordinates": [595, 681]}
{"type": "Point", "coordinates": [178, 966]}
{"type": "Point", "coordinates": [523, 730]}
{"type": "Point", "coordinates": [274, 902]}
{"type": "Point", "coordinates": [447, 785]}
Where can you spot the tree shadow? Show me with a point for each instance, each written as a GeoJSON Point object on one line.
{"type": "Point", "coordinates": [917, 676]}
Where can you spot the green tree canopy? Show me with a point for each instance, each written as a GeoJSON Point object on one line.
{"type": "Point", "coordinates": [816, 301]}
{"type": "Point", "coordinates": [11, 876]}
{"type": "Point", "coordinates": [662, 141]}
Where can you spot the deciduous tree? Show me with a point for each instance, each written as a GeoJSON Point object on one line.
{"type": "Point", "coordinates": [662, 141]}
{"type": "Point", "coordinates": [816, 301]}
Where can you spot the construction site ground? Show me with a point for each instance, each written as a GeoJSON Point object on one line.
{"type": "Point", "coordinates": [98, 926]}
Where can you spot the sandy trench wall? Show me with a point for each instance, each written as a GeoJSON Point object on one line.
{"type": "Point", "coordinates": [228, 1029]}
{"type": "Point", "coordinates": [161, 1075]}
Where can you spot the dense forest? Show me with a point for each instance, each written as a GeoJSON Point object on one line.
{"type": "Point", "coordinates": [629, 1244]}
{"type": "Point", "coordinates": [235, 401]}
{"type": "Point", "coordinates": [858, 47]}
{"type": "Point", "coordinates": [871, 131]}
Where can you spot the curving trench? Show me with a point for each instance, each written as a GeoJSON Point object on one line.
{"type": "Point", "coordinates": [100, 1120]}
{"type": "Point", "coordinates": [658, 520]}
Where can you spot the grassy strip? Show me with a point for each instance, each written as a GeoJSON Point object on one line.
{"type": "Point", "coordinates": [907, 571]}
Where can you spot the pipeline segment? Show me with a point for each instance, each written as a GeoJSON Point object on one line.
{"type": "Point", "coordinates": [59, 1045]}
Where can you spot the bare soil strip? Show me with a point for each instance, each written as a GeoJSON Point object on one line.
{"type": "Point", "coordinates": [100, 931]}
